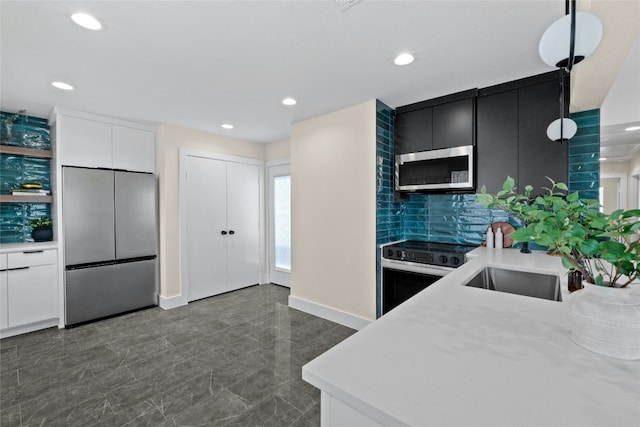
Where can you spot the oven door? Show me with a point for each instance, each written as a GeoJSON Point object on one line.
{"type": "Point", "coordinates": [400, 285]}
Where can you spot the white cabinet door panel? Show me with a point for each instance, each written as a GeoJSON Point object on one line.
{"type": "Point", "coordinates": [206, 220]}
{"type": "Point", "coordinates": [84, 143]}
{"type": "Point", "coordinates": [32, 295]}
{"type": "Point", "coordinates": [133, 149]}
{"type": "Point", "coordinates": [243, 212]}
{"type": "Point", "coordinates": [4, 318]}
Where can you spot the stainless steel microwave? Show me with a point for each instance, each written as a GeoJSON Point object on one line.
{"type": "Point", "coordinates": [445, 169]}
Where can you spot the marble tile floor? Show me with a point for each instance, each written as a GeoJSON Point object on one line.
{"type": "Point", "coordinates": [230, 360]}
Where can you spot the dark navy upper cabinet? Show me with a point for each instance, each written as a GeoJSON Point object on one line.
{"type": "Point", "coordinates": [512, 133]}
{"type": "Point", "coordinates": [538, 156]}
{"type": "Point", "coordinates": [497, 150]}
{"type": "Point", "coordinates": [444, 122]}
{"type": "Point", "coordinates": [507, 124]}
{"type": "Point", "coordinates": [453, 124]}
{"type": "Point", "coordinates": [413, 131]}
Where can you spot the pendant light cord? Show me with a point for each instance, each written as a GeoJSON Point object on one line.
{"type": "Point", "coordinates": [572, 37]}
{"type": "Point", "coordinates": [561, 107]}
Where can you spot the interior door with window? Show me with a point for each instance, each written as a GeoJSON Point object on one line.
{"type": "Point", "coordinates": [280, 224]}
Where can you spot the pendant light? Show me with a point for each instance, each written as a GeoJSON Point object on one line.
{"type": "Point", "coordinates": [562, 129]}
{"type": "Point", "coordinates": [586, 30]}
{"type": "Point", "coordinates": [565, 43]}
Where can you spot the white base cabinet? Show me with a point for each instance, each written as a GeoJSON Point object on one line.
{"type": "Point", "coordinates": [28, 291]}
{"type": "Point", "coordinates": [4, 312]}
{"type": "Point", "coordinates": [335, 413]}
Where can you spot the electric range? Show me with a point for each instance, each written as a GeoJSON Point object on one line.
{"type": "Point", "coordinates": [411, 266]}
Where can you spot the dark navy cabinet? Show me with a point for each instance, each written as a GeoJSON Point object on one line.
{"type": "Point", "coordinates": [443, 122]}
{"type": "Point", "coordinates": [512, 133]}
{"type": "Point", "coordinates": [507, 124]}
{"type": "Point", "coordinates": [497, 150]}
{"type": "Point", "coordinates": [453, 124]}
{"type": "Point", "coordinates": [413, 131]}
{"type": "Point", "coordinates": [538, 156]}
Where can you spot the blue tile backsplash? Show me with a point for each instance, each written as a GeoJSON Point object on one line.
{"type": "Point", "coordinates": [584, 155]}
{"type": "Point", "coordinates": [16, 170]}
{"type": "Point", "coordinates": [457, 218]}
{"type": "Point", "coordinates": [19, 130]}
{"type": "Point", "coordinates": [15, 217]}
{"type": "Point", "coordinates": [389, 214]}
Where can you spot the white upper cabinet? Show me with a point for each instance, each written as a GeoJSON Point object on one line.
{"type": "Point", "coordinates": [92, 141]}
{"type": "Point", "coordinates": [133, 149]}
{"type": "Point", "coordinates": [84, 142]}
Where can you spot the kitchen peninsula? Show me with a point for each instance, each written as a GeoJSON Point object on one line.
{"type": "Point", "coordinates": [462, 356]}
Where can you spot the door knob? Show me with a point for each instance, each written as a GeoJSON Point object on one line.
{"type": "Point", "coordinates": [232, 232]}
{"type": "Point", "coordinates": [223, 232]}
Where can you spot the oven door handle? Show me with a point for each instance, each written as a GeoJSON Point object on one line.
{"type": "Point", "coordinates": [414, 267]}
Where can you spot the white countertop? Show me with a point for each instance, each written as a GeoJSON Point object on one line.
{"type": "Point", "coordinates": [461, 356]}
{"type": "Point", "coordinates": [27, 246]}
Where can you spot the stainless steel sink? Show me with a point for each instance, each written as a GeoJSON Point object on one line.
{"type": "Point", "coordinates": [545, 286]}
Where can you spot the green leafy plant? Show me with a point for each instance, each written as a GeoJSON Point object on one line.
{"type": "Point", "coordinates": [43, 222]}
{"type": "Point", "coordinates": [604, 248]}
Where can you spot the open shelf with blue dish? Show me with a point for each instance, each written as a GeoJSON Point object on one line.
{"type": "Point", "coordinates": [25, 171]}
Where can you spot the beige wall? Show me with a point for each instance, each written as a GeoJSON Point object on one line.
{"type": "Point", "coordinates": [277, 150]}
{"type": "Point", "coordinates": [629, 168]}
{"type": "Point", "coordinates": [610, 185]}
{"type": "Point", "coordinates": [634, 164]}
{"type": "Point", "coordinates": [170, 140]}
{"type": "Point", "coordinates": [333, 159]}
{"type": "Point", "coordinates": [610, 194]}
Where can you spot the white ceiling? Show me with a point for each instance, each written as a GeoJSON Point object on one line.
{"type": "Point", "coordinates": [200, 64]}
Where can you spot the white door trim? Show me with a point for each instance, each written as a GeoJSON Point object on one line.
{"type": "Point", "coordinates": [183, 153]}
{"type": "Point", "coordinates": [622, 179]}
{"type": "Point", "coordinates": [635, 189]}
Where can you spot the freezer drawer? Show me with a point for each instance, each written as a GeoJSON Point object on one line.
{"type": "Point", "coordinates": [96, 292]}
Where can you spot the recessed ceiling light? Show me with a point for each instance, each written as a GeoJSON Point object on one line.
{"type": "Point", "coordinates": [289, 101]}
{"type": "Point", "coordinates": [87, 21]}
{"type": "Point", "coordinates": [62, 85]}
{"type": "Point", "coordinates": [403, 59]}
{"type": "Point", "coordinates": [227, 126]}
{"type": "Point", "coordinates": [632, 128]}
{"type": "Point", "coordinates": [602, 159]}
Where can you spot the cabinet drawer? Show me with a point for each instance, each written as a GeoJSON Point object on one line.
{"type": "Point", "coordinates": [3, 261]}
{"type": "Point", "coordinates": [32, 295]}
{"type": "Point", "coordinates": [31, 258]}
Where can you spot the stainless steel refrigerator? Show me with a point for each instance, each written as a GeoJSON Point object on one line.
{"type": "Point", "coordinates": [110, 223]}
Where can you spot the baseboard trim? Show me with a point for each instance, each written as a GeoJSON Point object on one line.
{"type": "Point", "coordinates": [31, 327]}
{"type": "Point", "coordinates": [333, 314]}
{"type": "Point", "coordinates": [168, 303]}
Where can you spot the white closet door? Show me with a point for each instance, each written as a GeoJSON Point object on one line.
{"type": "Point", "coordinates": [206, 219]}
{"type": "Point", "coordinates": [243, 210]}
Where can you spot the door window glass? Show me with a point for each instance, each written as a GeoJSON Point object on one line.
{"type": "Point", "coordinates": [282, 221]}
